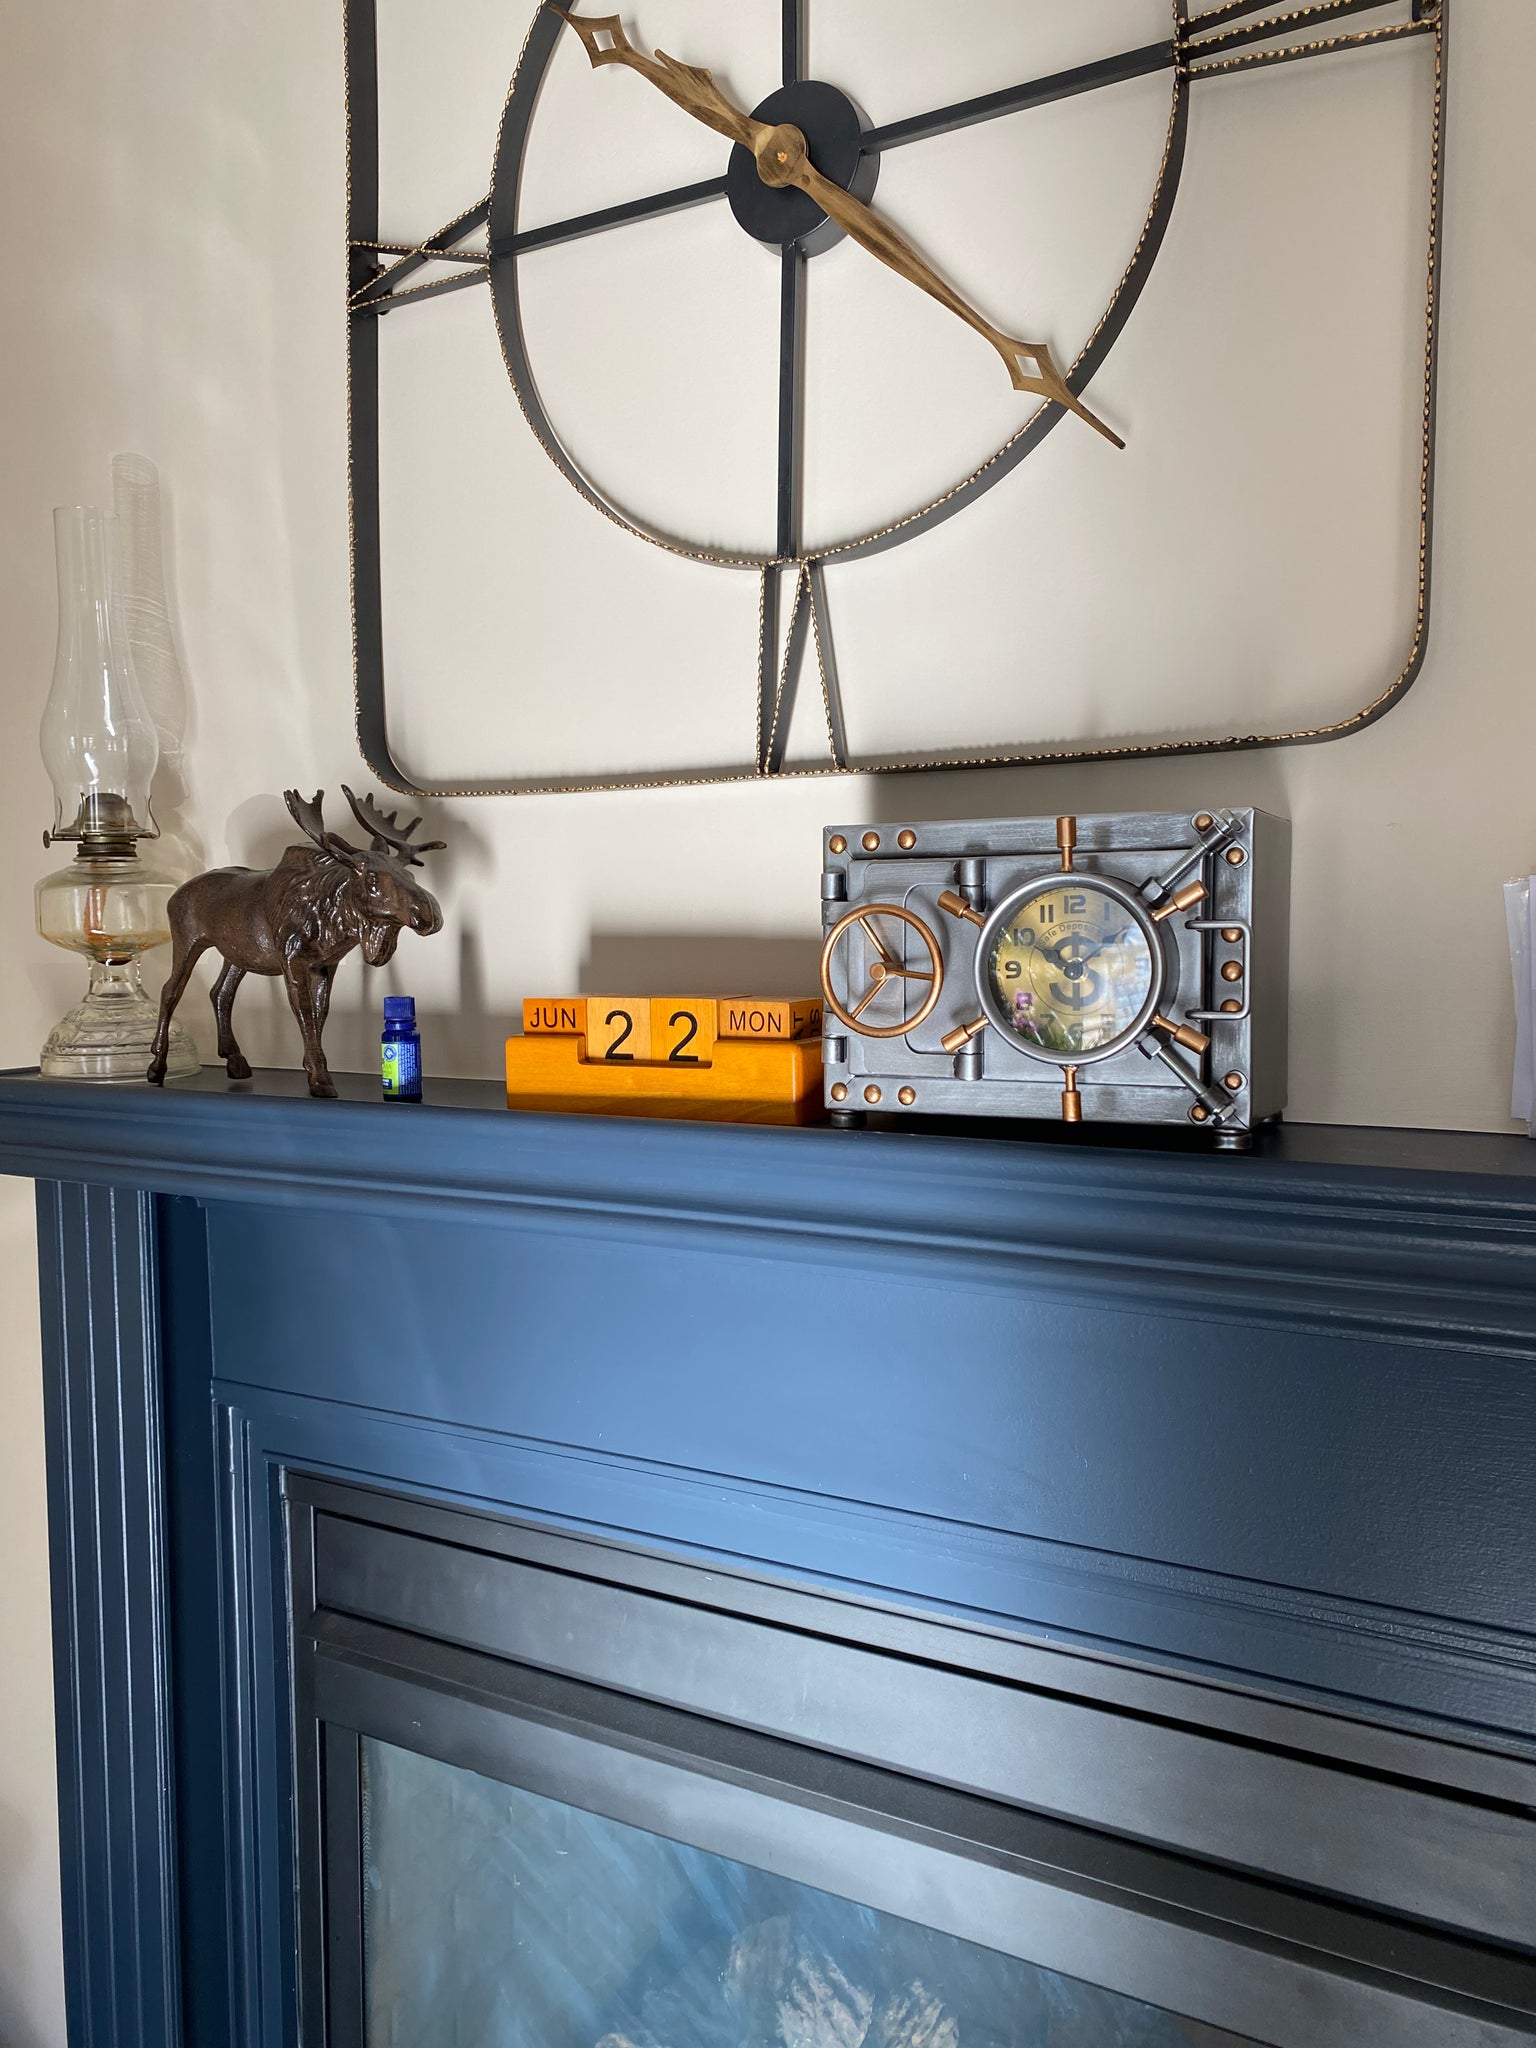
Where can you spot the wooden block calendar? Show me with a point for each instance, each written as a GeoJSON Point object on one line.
{"type": "Point", "coordinates": [726, 1059]}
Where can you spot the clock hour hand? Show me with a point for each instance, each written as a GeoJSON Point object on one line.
{"type": "Point", "coordinates": [693, 90]}
{"type": "Point", "coordinates": [782, 159]}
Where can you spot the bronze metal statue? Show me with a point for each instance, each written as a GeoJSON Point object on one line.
{"type": "Point", "coordinates": [300, 920]}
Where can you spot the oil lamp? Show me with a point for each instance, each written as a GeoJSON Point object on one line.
{"type": "Point", "coordinates": [101, 749]}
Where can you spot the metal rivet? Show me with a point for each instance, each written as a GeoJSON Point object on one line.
{"type": "Point", "coordinates": [839, 1091]}
{"type": "Point", "coordinates": [1234, 1081]}
{"type": "Point", "coordinates": [906, 1097]}
{"type": "Point", "coordinates": [1231, 933]}
{"type": "Point", "coordinates": [1231, 1006]}
{"type": "Point", "coordinates": [1199, 1114]}
{"type": "Point", "coordinates": [1204, 822]}
{"type": "Point", "coordinates": [837, 843]}
{"type": "Point", "coordinates": [1232, 970]}
{"type": "Point", "coordinates": [871, 1094]}
{"type": "Point", "coordinates": [871, 841]}
{"type": "Point", "coordinates": [906, 841]}
{"type": "Point", "coordinates": [1235, 856]}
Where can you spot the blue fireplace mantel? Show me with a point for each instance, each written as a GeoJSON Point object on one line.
{"type": "Point", "coordinates": [1263, 1424]}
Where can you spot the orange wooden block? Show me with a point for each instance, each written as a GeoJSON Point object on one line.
{"type": "Point", "coordinates": [565, 1016]}
{"type": "Point", "coordinates": [619, 1029]}
{"type": "Point", "coordinates": [683, 1030]}
{"type": "Point", "coordinates": [747, 1082]}
{"type": "Point", "coordinates": [759, 1017]}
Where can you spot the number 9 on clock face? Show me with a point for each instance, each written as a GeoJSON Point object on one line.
{"type": "Point", "coordinates": [1071, 970]}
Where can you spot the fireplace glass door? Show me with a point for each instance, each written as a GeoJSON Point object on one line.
{"type": "Point", "coordinates": [552, 1793]}
{"type": "Point", "coordinates": [495, 1917]}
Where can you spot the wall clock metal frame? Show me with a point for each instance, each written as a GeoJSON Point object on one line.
{"type": "Point", "coordinates": [1210, 45]}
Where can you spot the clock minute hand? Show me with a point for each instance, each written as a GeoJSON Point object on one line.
{"type": "Point", "coordinates": [785, 162]}
{"type": "Point", "coordinates": [783, 159]}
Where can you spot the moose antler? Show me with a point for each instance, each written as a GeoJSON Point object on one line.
{"type": "Point", "coordinates": [311, 822]}
{"type": "Point", "coordinates": [389, 835]}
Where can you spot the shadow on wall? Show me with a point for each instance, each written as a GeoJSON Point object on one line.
{"type": "Point", "coordinates": [142, 543]}
{"type": "Point", "coordinates": [699, 963]}
{"type": "Point", "coordinates": [17, 1856]}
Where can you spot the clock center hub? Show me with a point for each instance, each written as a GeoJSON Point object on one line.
{"type": "Point", "coordinates": [812, 120]}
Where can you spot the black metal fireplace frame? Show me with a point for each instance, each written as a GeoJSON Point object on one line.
{"type": "Point", "coordinates": [623, 1681]}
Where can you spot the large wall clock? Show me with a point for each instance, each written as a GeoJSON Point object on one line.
{"type": "Point", "coordinates": [804, 386]}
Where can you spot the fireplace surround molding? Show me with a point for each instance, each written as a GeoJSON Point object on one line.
{"type": "Point", "coordinates": [1153, 1473]}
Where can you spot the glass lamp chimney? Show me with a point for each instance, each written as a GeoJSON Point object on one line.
{"type": "Point", "coordinates": [101, 749]}
{"type": "Point", "coordinates": [98, 741]}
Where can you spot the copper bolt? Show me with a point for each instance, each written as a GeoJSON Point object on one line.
{"type": "Point", "coordinates": [871, 842]}
{"type": "Point", "coordinates": [1231, 970]}
{"type": "Point", "coordinates": [1071, 1101]}
{"type": "Point", "coordinates": [906, 841]}
{"type": "Point", "coordinates": [871, 1093]}
{"type": "Point", "coordinates": [1234, 1081]}
{"type": "Point", "coordinates": [1204, 822]}
{"type": "Point", "coordinates": [839, 1091]}
{"type": "Point", "coordinates": [1199, 1114]}
{"type": "Point", "coordinates": [961, 1036]}
{"type": "Point", "coordinates": [1183, 1034]}
{"type": "Point", "coordinates": [957, 906]}
{"type": "Point", "coordinates": [837, 843]}
{"type": "Point", "coordinates": [1231, 1006]}
{"type": "Point", "coordinates": [906, 1097]}
{"type": "Point", "coordinates": [1182, 899]}
{"type": "Point", "coordinates": [1066, 839]}
{"type": "Point", "coordinates": [1231, 933]}
{"type": "Point", "coordinates": [1235, 856]}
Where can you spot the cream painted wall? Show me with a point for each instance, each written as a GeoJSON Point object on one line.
{"type": "Point", "coordinates": [170, 188]}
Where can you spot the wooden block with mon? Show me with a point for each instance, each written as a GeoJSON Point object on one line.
{"type": "Point", "coordinates": [768, 1017]}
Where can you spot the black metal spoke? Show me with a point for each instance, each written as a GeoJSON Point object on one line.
{"type": "Point", "coordinates": [794, 41]}
{"type": "Point", "coordinates": [650, 208]}
{"type": "Point", "coordinates": [1206, 34]}
{"type": "Point", "coordinates": [791, 398]}
{"type": "Point", "coordinates": [791, 444]}
{"type": "Point", "coordinates": [1034, 92]}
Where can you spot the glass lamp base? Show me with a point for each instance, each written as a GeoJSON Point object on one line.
{"type": "Point", "coordinates": [110, 1036]}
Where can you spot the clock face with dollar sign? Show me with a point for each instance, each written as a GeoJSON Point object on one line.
{"type": "Point", "coordinates": [792, 296]}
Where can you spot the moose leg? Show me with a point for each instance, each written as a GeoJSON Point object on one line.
{"type": "Point", "coordinates": [236, 1065]}
{"type": "Point", "coordinates": [323, 978]}
{"type": "Point", "coordinates": [187, 951]}
{"type": "Point", "coordinates": [308, 995]}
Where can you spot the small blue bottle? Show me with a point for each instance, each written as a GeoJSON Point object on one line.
{"type": "Point", "coordinates": [401, 1050]}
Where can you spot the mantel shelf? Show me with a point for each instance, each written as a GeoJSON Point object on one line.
{"type": "Point", "coordinates": [266, 1139]}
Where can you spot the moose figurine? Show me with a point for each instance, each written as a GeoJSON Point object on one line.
{"type": "Point", "coordinates": [300, 920]}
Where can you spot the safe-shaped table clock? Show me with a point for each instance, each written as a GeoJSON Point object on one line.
{"type": "Point", "coordinates": [1125, 969]}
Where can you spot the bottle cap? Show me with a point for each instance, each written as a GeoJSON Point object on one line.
{"type": "Point", "coordinates": [399, 1009]}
